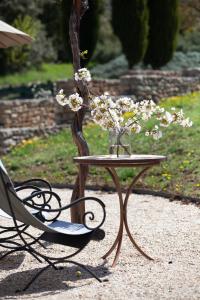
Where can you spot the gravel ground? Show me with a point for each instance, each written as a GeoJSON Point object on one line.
{"type": "Point", "coordinates": [167, 231]}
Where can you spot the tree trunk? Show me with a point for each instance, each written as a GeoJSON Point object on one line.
{"type": "Point", "coordinates": [79, 7]}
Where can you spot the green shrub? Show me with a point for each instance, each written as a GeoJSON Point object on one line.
{"type": "Point", "coordinates": [42, 50]}
{"type": "Point", "coordinates": [130, 24]}
{"type": "Point", "coordinates": [46, 44]}
{"type": "Point", "coordinates": [189, 42]}
{"type": "Point", "coordinates": [17, 57]}
{"type": "Point", "coordinates": [11, 9]}
{"type": "Point", "coordinates": [51, 17]}
{"type": "Point", "coordinates": [108, 45]}
{"type": "Point", "coordinates": [118, 66]}
{"type": "Point", "coordinates": [163, 32]}
{"type": "Point", "coordinates": [183, 61]}
{"type": "Point", "coordinates": [113, 69]}
{"type": "Point", "coordinates": [22, 57]}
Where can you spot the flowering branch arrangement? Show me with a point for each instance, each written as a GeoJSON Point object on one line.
{"type": "Point", "coordinates": [124, 115]}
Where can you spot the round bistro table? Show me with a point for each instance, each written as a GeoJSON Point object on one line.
{"type": "Point", "coordinates": [110, 163]}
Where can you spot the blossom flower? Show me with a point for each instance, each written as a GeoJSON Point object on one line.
{"type": "Point", "coordinates": [97, 116]}
{"type": "Point", "coordinates": [159, 112]}
{"type": "Point", "coordinates": [110, 124]}
{"type": "Point", "coordinates": [102, 101]}
{"type": "Point", "coordinates": [156, 133]}
{"type": "Point", "coordinates": [83, 74]}
{"type": "Point", "coordinates": [75, 102]}
{"type": "Point", "coordinates": [186, 123]}
{"type": "Point", "coordinates": [146, 116]}
{"type": "Point", "coordinates": [61, 99]}
{"type": "Point", "coordinates": [166, 119]}
{"type": "Point", "coordinates": [146, 108]}
{"type": "Point", "coordinates": [124, 103]}
{"type": "Point", "coordinates": [136, 128]}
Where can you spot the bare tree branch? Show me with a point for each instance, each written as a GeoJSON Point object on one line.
{"type": "Point", "coordinates": [78, 9]}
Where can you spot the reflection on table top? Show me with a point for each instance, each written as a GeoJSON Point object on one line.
{"type": "Point", "coordinates": [122, 160]}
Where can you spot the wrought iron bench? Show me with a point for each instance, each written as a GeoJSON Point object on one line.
{"type": "Point", "coordinates": [54, 229]}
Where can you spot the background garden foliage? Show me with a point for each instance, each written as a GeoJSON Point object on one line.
{"type": "Point", "coordinates": [130, 23]}
{"type": "Point", "coordinates": [145, 31]}
{"type": "Point", "coordinates": [163, 32]}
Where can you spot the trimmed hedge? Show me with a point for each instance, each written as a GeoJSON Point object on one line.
{"type": "Point", "coordinates": [163, 32]}
{"type": "Point", "coordinates": [130, 24]}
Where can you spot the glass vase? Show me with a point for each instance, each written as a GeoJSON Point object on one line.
{"type": "Point", "coordinates": [119, 144]}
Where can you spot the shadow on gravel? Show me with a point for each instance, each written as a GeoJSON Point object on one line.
{"type": "Point", "coordinates": [11, 261]}
{"type": "Point", "coordinates": [51, 281]}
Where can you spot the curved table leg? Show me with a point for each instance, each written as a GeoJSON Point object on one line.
{"type": "Point", "coordinates": [119, 235]}
{"type": "Point", "coordinates": [118, 241]}
{"type": "Point", "coordinates": [125, 213]}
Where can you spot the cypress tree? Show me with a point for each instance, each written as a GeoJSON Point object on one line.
{"type": "Point", "coordinates": [66, 6]}
{"type": "Point", "coordinates": [130, 24]}
{"type": "Point", "coordinates": [163, 31]}
{"type": "Point", "coordinates": [89, 28]}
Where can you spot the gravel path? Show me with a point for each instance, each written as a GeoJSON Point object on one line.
{"type": "Point", "coordinates": [168, 231]}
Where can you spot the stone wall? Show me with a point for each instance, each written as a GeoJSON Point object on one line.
{"type": "Point", "coordinates": [144, 84]}
{"type": "Point", "coordinates": [160, 84]}
{"type": "Point", "coordinates": [23, 119]}
{"type": "Point", "coordinates": [27, 113]}
{"type": "Point", "coordinates": [33, 113]}
{"type": "Point", "coordinates": [10, 137]}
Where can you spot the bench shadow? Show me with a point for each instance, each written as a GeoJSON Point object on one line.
{"type": "Point", "coordinates": [11, 261]}
{"type": "Point", "coordinates": [51, 281]}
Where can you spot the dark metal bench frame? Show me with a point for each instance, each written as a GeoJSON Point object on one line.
{"type": "Point", "coordinates": [76, 241]}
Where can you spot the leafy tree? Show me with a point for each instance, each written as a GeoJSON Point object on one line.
{"type": "Point", "coordinates": [31, 55]}
{"type": "Point", "coordinates": [24, 15]}
{"type": "Point", "coordinates": [189, 16]}
{"type": "Point", "coordinates": [11, 9]}
{"type": "Point", "coordinates": [51, 16]}
{"type": "Point", "coordinates": [163, 32]}
{"type": "Point", "coordinates": [130, 24]}
{"type": "Point", "coordinates": [66, 6]}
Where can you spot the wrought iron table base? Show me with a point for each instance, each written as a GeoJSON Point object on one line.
{"type": "Point", "coordinates": [110, 163]}
{"type": "Point", "coordinates": [123, 216]}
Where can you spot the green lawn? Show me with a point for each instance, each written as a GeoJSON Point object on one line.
{"type": "Point", "coordinates": [47, 72]}
{"type": "Point", "coordinates": [51, 157]}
